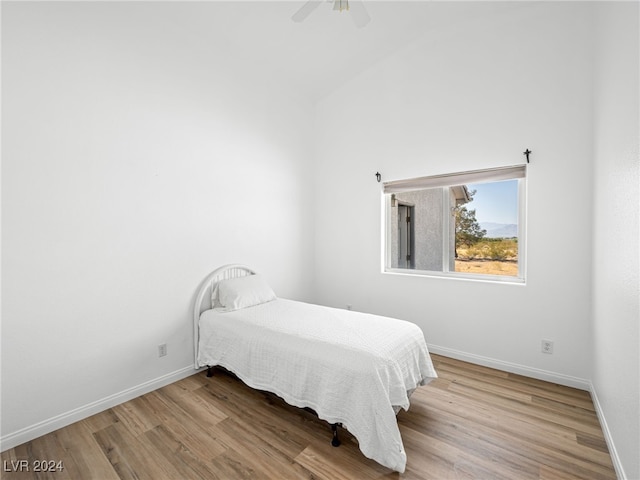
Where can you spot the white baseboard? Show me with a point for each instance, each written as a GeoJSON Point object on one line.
{"type": "Point", "coordinates": [47, 426]}
{"type": "Point", "coordinates": [617, 465]}
{"type": "Point", "coordinates": [545, 375]}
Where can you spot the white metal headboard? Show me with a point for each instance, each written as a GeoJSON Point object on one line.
{"type": "Point", "coordinates": [203, 299]}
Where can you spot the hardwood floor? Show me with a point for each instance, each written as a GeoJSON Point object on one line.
{"type": "Point", "coordinates": [471, 423]}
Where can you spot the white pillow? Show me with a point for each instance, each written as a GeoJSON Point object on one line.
{"type": "Point", "coordinates": [242, 292]}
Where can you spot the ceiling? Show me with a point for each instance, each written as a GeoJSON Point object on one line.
{"type": "Point", "coordinates": [312, 58]}
{"type": "Point", "coordinates": [326, 49]}
{"type": "Point", "coordinates": [258, 39]}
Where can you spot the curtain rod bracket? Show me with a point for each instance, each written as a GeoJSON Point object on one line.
{"type": "Point", "coordinates": [378, 177]}
{"type": "Point", "coordinates": [526, 153]}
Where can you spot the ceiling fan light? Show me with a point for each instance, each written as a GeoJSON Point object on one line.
{"type": "Point", "coordinates": [341, 5]}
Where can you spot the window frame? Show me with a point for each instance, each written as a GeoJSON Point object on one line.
{"type": "Point", "coordinates": [519, 173]}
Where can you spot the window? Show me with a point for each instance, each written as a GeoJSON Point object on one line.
{"type": "Point", "coordinates": [468, 224]}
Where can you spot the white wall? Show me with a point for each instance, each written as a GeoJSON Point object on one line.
{"type": "Point", "coordinates": [466, 98]}
{"type": "Point", "coordinates": [616, 287]}
{"type": "Point", "coordinates": [130, 169]}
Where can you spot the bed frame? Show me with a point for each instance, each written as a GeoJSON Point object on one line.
{"type": "Point", "coordinates": [203, 302]}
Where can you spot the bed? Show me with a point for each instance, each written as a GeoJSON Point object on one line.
{"type": "Point", "coordinates": [353, 369]}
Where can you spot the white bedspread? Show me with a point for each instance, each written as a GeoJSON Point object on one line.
{"type": "Point", "coordinates": [350, 367]}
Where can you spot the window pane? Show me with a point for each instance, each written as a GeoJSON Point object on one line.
{"type": "Point", "coordinates": [487, 230]}
{"type": "Point", "coordinates": [415, 230]}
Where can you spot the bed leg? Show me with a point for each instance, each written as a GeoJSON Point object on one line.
{"type": "Point", "coordinates": [209, 371]}
{"type": "Point", "coordinates": [335, 441]}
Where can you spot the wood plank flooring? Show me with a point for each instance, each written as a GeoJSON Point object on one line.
{"type": "Point", "coordinates": [471, 423]}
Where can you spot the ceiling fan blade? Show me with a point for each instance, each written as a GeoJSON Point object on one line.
{"type": "Point", "coordinates": [306, 10]}
{"type": "Point", "coordinates": [358, 13]}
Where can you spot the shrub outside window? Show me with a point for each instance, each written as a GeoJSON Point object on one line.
{"type": "Point", "coordinates": [467, 224]}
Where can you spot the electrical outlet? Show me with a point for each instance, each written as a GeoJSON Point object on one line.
{"type": "Point", "coordinates": [547, 346]}
{"type": "Point", "coordinates": [162, 350]}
